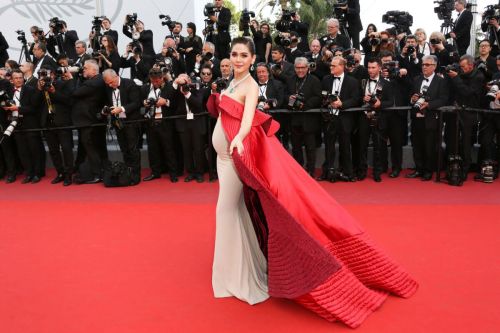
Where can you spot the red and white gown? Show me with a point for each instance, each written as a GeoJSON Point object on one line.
{"type": "Point", "coordinates": [280, 234]}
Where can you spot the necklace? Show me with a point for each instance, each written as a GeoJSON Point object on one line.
{"type": "Point", "coordinates": [234, 85]}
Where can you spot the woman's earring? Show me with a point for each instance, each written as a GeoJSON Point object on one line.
{"type": "Point", "coordinates": [251, 68]}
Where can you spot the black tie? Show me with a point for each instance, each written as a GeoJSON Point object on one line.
{"type": "Point", "coordinates": [262, 84]}
{"type": "Point", "coordinates": [336, 78]}
{"type": "Point", "coordinates": [426, 80]}
{"type": "Point", "coordinates": [373, 80]}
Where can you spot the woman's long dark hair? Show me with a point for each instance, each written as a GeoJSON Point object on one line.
{"type": "Point", "coordinates": [368, 27]}
{"type": "Point", "coordinates": [111, 44]}
{"type": "Point", "coordinates": [245, 41]}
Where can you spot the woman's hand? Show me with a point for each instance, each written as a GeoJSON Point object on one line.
{"type": "Point", "coordinates": [236, 143]}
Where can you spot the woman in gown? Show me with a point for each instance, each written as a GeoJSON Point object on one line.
{"type": "Point", "coordinates": [278, 233]}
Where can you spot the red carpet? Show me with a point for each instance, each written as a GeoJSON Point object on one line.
{"type": "Point", "coordinates": [89, 259]}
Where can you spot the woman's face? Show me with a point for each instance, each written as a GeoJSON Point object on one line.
{"type": "Point", "coordinates": [104, 41]}
{"type": "Point", "coordinates": [370, 29]}
{"type": "Point", "coordinates": [241, 58]}
{"type": "Point", "coordinates": [420, 36]}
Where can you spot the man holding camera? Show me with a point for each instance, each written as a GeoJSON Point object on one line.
{"type": "Point", "coordinates": [271, 92]}
{"type": "Point", "coordinates": [169, 55]}
{"type": "Point", "coordinates": [123, 97]}
{"type": "Point", "coordinates": [207, 58]}
{"type": "Point", "coordinates": [410, 58]}
{"type": "Point", "coordinates": [221, 17]}
{"type": "Point", "coordinates": [160, 133]}
{"type": "Point", "coordinates": [54, 96]}
{"type": "Point", "coordinates": [187, 101]}
{"type": "Point", "coordinates": [139, 63]}
{"type": "Point", "coordinates": [42, 58]}
{"type": "Point", "coordinates": [89, 99]}
{"type": "Point", "coordinates": [469, 86]}
{"type": "Point", "coordinates": [28, 143]}
{"type": "Point", "coordinates": [61, 40]}
{"type": "Point", "coordinates": [334, 37]}
{"type": "Point", "coordinates": [342, 92]}
{"type": "Point", "coordinates": [429, 92]}
{"type": "Point", "coordinates": [304, 93]}
{"type": "Point", "coordinates": [461, 28]}
{"type": "Point", "coordinates": [354, 26]}
{"type": "Point", "coordinates": [134, 29]}
{"type": "Point", "coordinates": [485, 62]}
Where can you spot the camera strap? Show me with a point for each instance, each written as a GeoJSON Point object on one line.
{"type": "Point", "coordinates": [298, 87]}
{"type": "Point", "coordinates": [262, 90]}
{"type": "Point", "coordinates": [50, 106]}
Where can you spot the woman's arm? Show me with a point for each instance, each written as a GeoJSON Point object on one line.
{"type": "Point", "coordinates": [247, 118]}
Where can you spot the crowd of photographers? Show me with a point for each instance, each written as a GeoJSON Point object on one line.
{"type": "Point", "coordinates": [398, 88]}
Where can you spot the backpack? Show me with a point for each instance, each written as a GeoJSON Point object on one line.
{"type": "Point", "coordinates": [116, 174]}
{"type": "Point", "coordinates": [454, 172]}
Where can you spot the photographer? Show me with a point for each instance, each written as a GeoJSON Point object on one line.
{"type": "Point", "coordinates": [170, 55]}
{"type": "Point", "coordinates": [123, 97]}
{"type": "Point", "coordinates": [353, 65]}
{"type": "Point", "coordinates": [101, 27]}
{"type": "Point", "coordinates": [28, 143]}
{"type": "Point", "coordinates": [354, 25]}
{"type": "Point", "coordinates": [262, 40]}
{"type": "Point", "coordinates": [302, 32]}
{"type": "Point", "coordinates": [81, 53]}
{"type": "Point", "coordinates": [423, 46]}
{"type": "Point", "coordinates": [61, 40]}
{"type": "Point", "coordinates": [491, 26]}
{"type": "Point", "coordinates": [304, 93]}
{"type": "Point", "coordinates": [221, 17]}
{"type": "Point", "coordinates": [4, 55]}
{"type": "Point", "coordinates": [108, 56]}
{"type": "Point", "coordinates": [29, 79]}
{"type": "Point", "coordinates": [54, 96]}
{"type": "Point", "coordinates": [468, 83]}
{"type": "Point", "coordinates": [191, 46]}
{"type": "Point", "coordinates": [446, 53]}
{"type": "Point", "coordinates": [8, 156]}
{"type": "Point", "coordinates": [41, 58]}
{"type": "Point", "coordinates": [176, 34]}
{"type": "Point", "coordinates": [369, 42]}
{"type": "Point", "coordinates": [373, 122]}
{"type": "Point", "coordinates": [89, 99]}
{"type": "Point", "coordinates": [207, 58]}
{"type": "Point", "coordinates": [429, 92]}
{"type": "Point", "coordinates": [187, 101]}
{"type": "Point", "coordinates": [485, 62]}
{"type": "Point", "coordinates": [160, 134]}
{"type": "Point", "coordinates": [334, 37]}
{"type": "Point", "coordinates": [271, 92]}
{"type": "Point", "coordinates": [282, 70]}
{"type": "Point", "coordinates": [410, 58]}
{"type": "Point", "coordinates": [342, 92]}
{"type": "Point", "coordinates": [397, 121]}
{"type": "Point", "coordinates": [138, 63]}
{"type": "Point", "coordinates": [107, 31]}
{"type": "Point", "coordinates": [461, 28]}
{"type": "Point", "coordinates": [317, 66]}
{"type": "Point", "coordinates": [134, 29]}
{"type": "Point", "coordinates": [292, 51]}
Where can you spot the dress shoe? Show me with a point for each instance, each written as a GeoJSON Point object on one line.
{"type": "Point", "coordinates": [189, 178]}
{"type": "Point", "coordinates": [10, 179]}
{"type": "Point", "coordinates": [95, 180]}
{"type": "Point", "coordinates": [414, 174]}
{"type": "Point", "coordinates": [395, 173]}
{"type": "Point", "coordinates": [67, 181]}
{"type": "Point", "coordinates": [361, 176]}
{"type": "Point", "coordinates": [26, 180]}
{"type": "Point", "coordinates": [174, 179]}
{"type": "Point", "coordinates": [345, 178]}
{"type": "Point", "coordinates": [426, 176]}
{"type": "Point", "coordinates": [377, 178]}
{"type": "Point", "coordinates": [35, 179]}
{"type": "Point", "coordinates": [199, 179]}
{"type": "Point", "coordinates": [58, 179]}
{"type": "Point", "coordinates": [151, 177]}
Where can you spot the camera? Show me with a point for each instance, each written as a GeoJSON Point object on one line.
{"type": "Point", "coordinates": [329, 98]}
{"type": "Point", "coordinates": [112, 120]}
{"type": "Point", "coordinates": [45, 76]}
{"type": "Point", "coordinates": [245, 18]}
{"type": "Point", "coordinates": [435, 41]}
{"type": "Point", "coordinates": [296, 102]}
{"type": "Point", "coordinates": [164, 64]}
{"type": "Point", "coordinates": [492, 92]}
{"type": "Point", "coordinates": [455, 67]}
{"type": "Point", "coordinates": [97, 23]}
{"type": "Point", "coordinates": [284, 23]}
{"type": "Point", "coordinates": [14, 122]}
{"type": "Point", "coordinates": [5, 99]}
{"type": "Point", "coordinates": [167, 21]}
{"type": "Point", "coordinates": [392, 68]}
{"type": "Point", "coordinates": [374, 41]}
{"type": "Point", "coordinates": [262, 101]}
{"type": "Point", "coordinates": [96, 54]}
{"type": "Point", "coordinates": [221, 84]}
{"type": "Point", "coordinates": [312, 66]}
{"type": "Point", "coordinates": [131, 19]}
{"type": "Point", "coordinates": [56, 25]}
{"type": "Point", "coordinates": [491, 12]}
{"type": "Point", "coordinates": [444, 8]}
{"type": "Point", "coordinates": [339, 12]}
{"type": "Point", "coordinates": [21, 36]}
{"type": "Point", "coordinates": [134, 48]}
{"type": "Point", "coordinates": [410, 50]}
{"type": "Point", "coordinates": [209, 9]}
{"type": "Point", "coordinates": [77, 69]}
{"type": "Point", "coordinates": [401, 21]}
{"type": "Point", "coordinates": [276, 69]}
{"type": "Point", "coordinates": [149, 110]}
{"type": "Point", "coordinates": [187, 87]}
{"type": "Point", "coordinates": [349, 58]}
{"type": "Point", "coordinates": [422, 97]}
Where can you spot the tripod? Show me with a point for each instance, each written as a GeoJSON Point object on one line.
{"type": "Point", "coordinates": [24, 52]}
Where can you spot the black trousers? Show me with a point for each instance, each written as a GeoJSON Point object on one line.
{"type": "Point", "coordinates": [60, 143]}
{"type": "Point", "coordinates": [9, 157]}
{"type": "Point", "coordinates": [366, 129]}
{"type": "Point", "coordinates": [490, 130]}
{"type": "Point", "coordinates": [331, 131]}
{"type": "Point", "coordinates": [128, 140]}
{"type": "Point", "coordinates": [93, 140]}
{"type": "Point", "coordinates": [192, 150]}
{"type": "Point", "coordinates": [424, 142]}
{"type": "Point", "coordinates": [299, 138]}
{"type": "Point", "coordinates": [160, 138]}
{"type": "Point", "coordinates": [396, 133]}
{"type": "Point", "coordinates": [354, 38]}
{"type": "Point", "coordinates": [28, 146]}
{"type": "Point", "coordinates": [467, 122]}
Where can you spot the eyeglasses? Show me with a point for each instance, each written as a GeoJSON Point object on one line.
{"type": "Point", "coordinates": [300, 67]}
{"type": "Point", "coordinates": [205, 73]}
{"type": "Point", "coordinates": [426, 65]}
{"type": "Point", "coordinates": [486, 45]}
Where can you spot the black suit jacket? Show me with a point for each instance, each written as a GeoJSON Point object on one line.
{"type": "Point", "coordinates": [6, 86]}
{"type": "Point", "coordinates": [138, 70]}
{"type": "Point", "coordinates": [28, 109]}
{"type": "Point", "coordinates": [4, 55]}
{"type": "Point", "coordinates": [339, 40]}
{"type": "Point", "coordinates": [353, 16]}
{"type": "Point", "coordinates": [224, 20]}
{"type": "Point", "coordinates": [89, 98]}
{"type": "Point", "coordinates": [275, 89]}
{"type": "Point", "coordinates": [195, 103]}
{"type": "Point", "coordinates": [61, 101]}
{"type": "Point", "coordinates": [311, 89]}
{"type": "Point", "coordinates": [350, 95]}
{"type": "Point", "coordinates": [461, 28]}
{"type": "Point", "coordinates": [437, 97]}
{"type": "Point", "coordinates": [386, 101]}
{"type": "Point", "coordinates": [68, 44]}
{"type": "Point", "coordinates": [146, 39]}
{"type": "Point", "coordinates": [47, 61]}
{"type": "Point", "coordinates": [130, 98]}
{"type": "Point", "coordinates": [115, 60]}
{"type": "Point", "coordinates": [178, 65]}
{"type": "Point", "coordinates": [165, 92]}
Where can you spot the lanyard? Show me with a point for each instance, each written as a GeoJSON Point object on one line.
{"type": "Point", "coordinates": [116, 95]}
{"type": "Point", "coordinates": [298, 89]}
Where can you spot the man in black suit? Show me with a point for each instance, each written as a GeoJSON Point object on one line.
{"type": "Point", "coordinates": [169, 54]}
{"type": "Point", "coordinates": [377, 96]}
{"type": "Point", "coordinates": [41, 58]}
{"type": "Point", "coordinates": [56, 102]}
{"type": "Point", "coordinates": [207, 58]}
{"type": "Point", "coordinates": [123, 96]}
{"type": "Point", "coordinates": [137, 33]}
{"type": "Point", "coordinates": [4, 55]}
{"type": "Point", "coordinates": [160, 134]}
{"type": "Point", "coordinates": [81, 53]}
{"type": "Point", "coordinates": [461, 28]}
{"type": "Point", "coordinates": [62, 42]}
{"type": "Point", "coordinates": [304, 93]}
{"type": "Point", "coordinates": [280, 68]}
{"type": "Point", "coordinates": [302, 30]}
{"type": "Point", "coordinates": [429, 92]}
{"type": "Point", "coordinates": [187, 101]}
{"type": "Point", "coordinates": [334, 37]}
{"type": "Point", "coordinates": [222, 20]}
{"type": "Point", "coordinates": [339, 123]}
{"type": "Point", "coordinates": [409, 58]}
{"type": "Point", "coordinates": [269, 89]}
{"type": "Point", "coordinates": [354, 25]}
{"type": "Point", "coordinates": [89, 98]}
{"type": "Point", "coordinates": [8, 156]}
{"type": "Point", "coordinates": [292, 52]}
{"type": "Point", "coordinates": [492, 28]}
{"type": "Point", "coordinates": [107, 31]}
{"type": "Point", "coordinates": [28, 143]}
{"type": "Point", "coordinates": [139, 63]}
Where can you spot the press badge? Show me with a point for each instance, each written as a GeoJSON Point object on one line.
{"type": "Point", "coordinates": [190, 116]}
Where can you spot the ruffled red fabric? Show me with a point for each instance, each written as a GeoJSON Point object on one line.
{"type": "Point", "coordinates": [317, 253]}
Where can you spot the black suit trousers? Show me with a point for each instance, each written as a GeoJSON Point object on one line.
{"type": "Point", "coordinates": [192, 150]}
{"type": "Point", "coordinates": [160, 137]}
{"type": "Point", "coordinates": [467, 123]}
{"type": "Point", "coordinates": [424, 143]}
{"type": "Point", "coordinates": [490, 130]}
{"type": "Point", "coordinates": [360, 146]}
{"type": "Point", "coordinates": [92, 139]}
{"type": "Point", "coordinates": [60, 143]}
{"type": "Point", "coordinates": [300, 137]}
{"type": "Point", "coordinates": [8, 150]}
{"type": "Point", "coordinates": [28, 145]}
{"type": "Point", "coordinates": [396, 134]}
{"type": "Point", "coordinates": [128, 140]}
